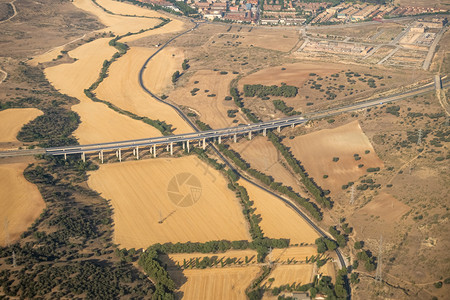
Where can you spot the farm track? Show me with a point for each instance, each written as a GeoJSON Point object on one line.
{"type": "Point", "coordinates": [5, 75]}
{"type": "Point", "coordinates": [14, 9]}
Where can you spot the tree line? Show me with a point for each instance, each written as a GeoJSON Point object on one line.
{"type": "Point", "coordinates": [260, 91]}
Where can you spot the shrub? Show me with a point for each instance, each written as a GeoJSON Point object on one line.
{"type": "Point", "coordinates": [335, 159]}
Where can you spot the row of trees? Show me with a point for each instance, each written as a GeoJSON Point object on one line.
{"type": "Point", "coordinates": [259, 90]}
{"type": "Point", "coordinates": [287, 110]}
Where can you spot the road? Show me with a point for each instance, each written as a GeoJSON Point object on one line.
{"type": "Point", "coordinates": [5, 75]}
{"type": "Point", "coordinates": [14, 14]}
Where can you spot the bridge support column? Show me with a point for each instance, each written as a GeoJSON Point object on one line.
{"type": "Point", "coordinates": [279, 129]}
{"type": "Point", "coordinates": [219, 139]}
{"type": "Point", "coordinates": [134, 152]}
{"type": "Point", "coordinates": [101, 155]}
{"type": "Point", "coordinates": [167, 148]}
{"type": "Point", "coordinates": [154, 150]}
{"type": "Point", "coordinates": [83, 157]}
{"type": "Point", "coordinates": [65, 156]}
{"type": "Point", "coordinates": [204, 144]}
{"type": "Point", "coordinates": [235, 138]}
{"type": "Point", "coordinates": [171, 148]}
{"type": "Point", "coordinates": [120, 155]}
{"type": "Point", "coordinates": [151, 149]}
{"type": "Point", "coordinates": [292, 125]}
{"type": "Point", "coordinates": [264, 132]}
{"type": "Point", "coordinates": [199, 143]}
{"type": "Point", "coordinates": [187, 145]}
{"type": "Point", "coordinates": [184, 147]}
{"type": "Point", "coordinates": [137, 152]}
{"type": "Point", "coordinates": [249, 135]}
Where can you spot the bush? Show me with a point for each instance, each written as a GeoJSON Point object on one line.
{"type": "Point", "coordinates": [373, 169]}
{"type": "Point", "coordinates": [335, 159]}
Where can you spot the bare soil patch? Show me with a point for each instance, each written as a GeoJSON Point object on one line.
{"type": "Point", "coordinates": [20, 200]}
{"type": "Point", "coordinates": [263, 156]}
{"type": "Point", "coordinates": [278, 220]}
{"type": "Point", "coordinates": [317, 150]}
{"type": "Point", "coordinates": [11, 121]}
{"type": "Point", "coordinates": [140, 204]}
{"type": "Point", "coordinates": [208, 100]}
{"type": "Point", "coordinates": [226, 283]}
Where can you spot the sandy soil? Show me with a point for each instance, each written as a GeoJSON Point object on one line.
{"type": "Point", "coordinates": [288, 274]}
{"type": "Point", "coordinates": [20, 201]}
{"type": "Point", "coordinates": [12, 120]}
{"type": "Point", "coordinates": [212, 110]}
{"type": "Point", "coordinates": [139, 195]}
{"type": "Point", "coordinates": [316, 151]}
{"type": "Point", "coordinates": [158, 73]}
{"type": "Point", "coordinates": [295, 74]}
{"type": "Point", "coordinates": [273, 39]}
{"type": "Point", "coordinates": [239, 254]}
{"type": "Point", "coordinates": [98, 122]}
{"type": "Point", "coordinates": [225, 283]}
{"type": "Point", "coordinates": [126, 93]}
{"type": "Point", "coordinates": [299, 253]}
{"type": "Point", "coordinates": [263, 156]}
{"type": "Point", "coordinates": [278, 220]}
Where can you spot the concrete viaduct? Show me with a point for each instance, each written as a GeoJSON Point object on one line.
{"type": "Point", "coordinates": [186, 140]}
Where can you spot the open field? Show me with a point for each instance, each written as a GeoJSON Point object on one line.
{"type": "Point", "coordinates": [278, 40]}
{"type": "Point", "coordinates": [278, 220]}
{"type": "Point", "coordinates": [209, 100]}
{"type": "Point", "coordinates": [126, 93]}
{"type": "Point", "coordinates": [316, 151]}
{"type": "Point", "coordinates": [288, 274]}
{"type": "Point", "coordinates": [297, 253]}
{"type": "Point", "coordinates": [226, 283]}
{"type": "Point", "coordinates": [239, 254]}
{"type": "Point", "coordinates": [139, 203]}
{"type": "Point", "coordinates": [98, 122]}
{"type": "Point", "coordinates": [263, 156]}
{"type": "Point", "coordinates": [12, 120]}
{"type": "Point", "coordinates": [424, 3]}
{"type": "Point", "coordinates": [20, 200]}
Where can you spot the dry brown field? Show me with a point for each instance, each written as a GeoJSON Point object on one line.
{"type": "Point", "coordinates": [239, 254]}
{"type": "Point", "coordinates": [211, 110]}
{"type": "Point", "coordinates": [263, 156]}
{"type": "Point", "coordinates": [424, 3]}
{"type": "Point", "coordinates": [12, 120]}
{"type": "Point", "coordinates": [297, 253]}
{"type": "Point", "coordinates": [126, 93]}
{"type": "Point", "coordinates": [20, 200]}
{"type": "Point", "coordinates": [98, 122]}
{"type": "Point", "coordinates": [138, 192]}
{"type": "Point", "coordinates": [316, 151]}
{"type": "Point", "coordinates": [225, 283]}
{"type": "Point", "coordinates": [278, 220]}
{"type": "Point", "coordinates": [288, 274]}
{"type": "Point", "coordinates": [282, 40]}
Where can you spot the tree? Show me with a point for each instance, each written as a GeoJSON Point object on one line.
{"type": "Point", "coordinates": [358, 245]}
{"type": "Point", "coordinates": [185, 65]}
{"type": "Point", "coordinates": [175, 76]}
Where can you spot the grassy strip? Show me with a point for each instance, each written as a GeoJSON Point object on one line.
{"type": "Point", "coordinates": [162, 126]}
{"type": "Point", "coordinates": [309, 183]}
{"type": "Point", "coordinates": [269, 181]}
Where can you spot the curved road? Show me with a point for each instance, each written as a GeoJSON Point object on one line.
{"type": "Point", "coordinates": [182, 115]}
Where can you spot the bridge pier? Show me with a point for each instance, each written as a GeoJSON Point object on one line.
{"type": "Point", "coordinates": [65, 156]}
{"type": "Point", "coordinates": [187, 145]}
{"type": "Point", "coordinates": [235, 138]}
{"type": "Point", "coordinates": [249, 135]}
{"type": "Point", "coordinates": [137, 152]}
{"type": "Point", "coordinates": [120, 155]}
{"type": "Point", "coordinates": [154, 150]}
{"type": "Point", "coordinates": [292, 125]}
{"type": "Point", "coordinates": [279, 129]}
{"type": "Point", "coordinates": [204, 144]}
{"type": "Point", "coordinates": [264, 132]}
{"type": "Point", "coordinates": [83, 156]}
{"type": "Point", "coordinates": [167, 148]}
{"type": "Point", "coordinates": [184, 147]}
{"type": "Point", "coordinates": [101, 155]}
{"type": "Point", "coordinates": [150, 149]}
{"type": "Point", "coordinates": [171, 148]}
{"type": "Point", "coordinates": [219, 139]}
